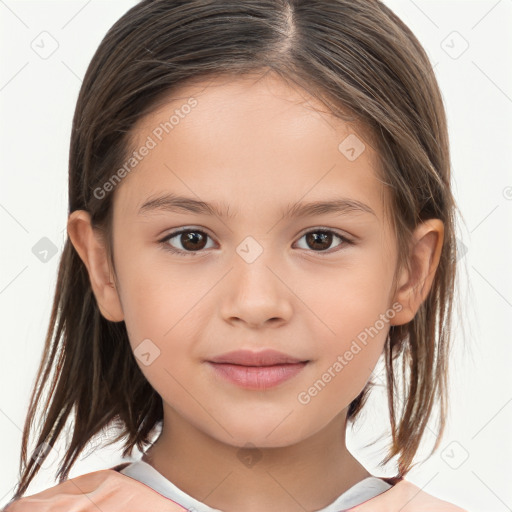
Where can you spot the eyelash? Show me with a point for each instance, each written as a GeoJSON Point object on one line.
{"type": "Point", "coordinates": [179, 252]}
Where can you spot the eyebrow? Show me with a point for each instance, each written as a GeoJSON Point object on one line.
{"type": "Point", "coordinates": [180, 204]}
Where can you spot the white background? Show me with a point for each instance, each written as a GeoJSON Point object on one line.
{"type": "Point", "coordinates": [37, 100]}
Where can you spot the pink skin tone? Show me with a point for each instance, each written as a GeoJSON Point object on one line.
{"type": "Point", "coordinates": [258, 146]}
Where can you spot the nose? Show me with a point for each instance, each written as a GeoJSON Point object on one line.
{"type": "Point", "coordinates": [256, 295]}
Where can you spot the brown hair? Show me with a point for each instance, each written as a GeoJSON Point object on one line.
{"type": "Point", "coordinates": [357, 57]}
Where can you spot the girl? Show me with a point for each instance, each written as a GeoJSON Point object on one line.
{"type": "Point", "coordinates": [260, 209]}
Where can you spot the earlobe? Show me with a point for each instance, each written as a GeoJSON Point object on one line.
{"type": "Point", "coordinates": [92, 252]}
{"type": "Point", "coordinates": [414, 284]}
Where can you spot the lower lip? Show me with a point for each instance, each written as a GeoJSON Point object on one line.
{"type": "Point", "coordinates": [257, 377]}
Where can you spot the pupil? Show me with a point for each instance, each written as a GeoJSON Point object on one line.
{"type": "Point", "coordinates": [192, 238]}
{"type": "Point", "coordinates": [316, 239]}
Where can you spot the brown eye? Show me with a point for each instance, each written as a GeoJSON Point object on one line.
{"type": "Point", "coordinates": [321, 240]}
{"type": "Point", "coordinates": [186, 241]}
{"type": "Point", "coordinates": [193, 240]}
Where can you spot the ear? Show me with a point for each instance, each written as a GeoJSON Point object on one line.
{"type": "Point", "coordinates": [413, 286]}
{"type": "Point", "coordinates": [91, 249]}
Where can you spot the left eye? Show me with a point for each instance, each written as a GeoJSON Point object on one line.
{"type": "Point", "coordinates": [321, 239]}
{"type": "Point", "coordinates": [193, 241]}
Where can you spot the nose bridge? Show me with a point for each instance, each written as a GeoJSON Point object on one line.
{"type": "Point", "coordinates": [255, 293]}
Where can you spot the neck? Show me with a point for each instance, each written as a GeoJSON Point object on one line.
{"type": "Point", "coordinates": [308, 475]}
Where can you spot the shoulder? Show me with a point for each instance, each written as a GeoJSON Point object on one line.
{"type": "Point", "coordinates": [106, 489]}
{"type": "Point", "coordinates": [420, 501]}
{"type": "Point", "coordinates": [404, 496]}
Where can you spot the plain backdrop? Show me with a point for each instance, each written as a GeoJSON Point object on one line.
{"type": "Point", "coordinates": [45, 49]}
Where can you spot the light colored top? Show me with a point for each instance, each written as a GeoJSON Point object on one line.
{"type": "Point", "coordinates": [143, 472]}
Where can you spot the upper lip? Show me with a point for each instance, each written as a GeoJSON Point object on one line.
{"type": "Point", "coordinates": [262, 358]}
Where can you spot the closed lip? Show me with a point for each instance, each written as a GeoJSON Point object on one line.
{"type": "Point", "coordinates": [266, 357]}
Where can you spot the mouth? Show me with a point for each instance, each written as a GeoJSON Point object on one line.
{"type": "Point", "coordinates": [257, 370]}
{"type": "Point", "coordinates": [267, 357]}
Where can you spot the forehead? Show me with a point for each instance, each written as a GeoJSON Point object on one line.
{"type": "Point", "coordinates": [249, 141]}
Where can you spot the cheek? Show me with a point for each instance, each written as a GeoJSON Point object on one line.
{"type": "Point", "coordinates": [355, 319]}
{"type": "Point", "coordinates": [165, 318]}
{"type": "Point", "coordinates": [346, 359]}
{"type": "Point", "coordinates": [349, 298]}
{"type": "Point", "coordinates": [156, 295]}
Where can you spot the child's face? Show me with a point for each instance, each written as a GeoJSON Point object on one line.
{"type": "Point", "coordinates": [256, 281]}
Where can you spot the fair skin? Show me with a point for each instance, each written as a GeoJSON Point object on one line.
{"type": "Point", "coordinates": [109, 491]}
{"type": "Point", "coordinates": [258, 146]}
